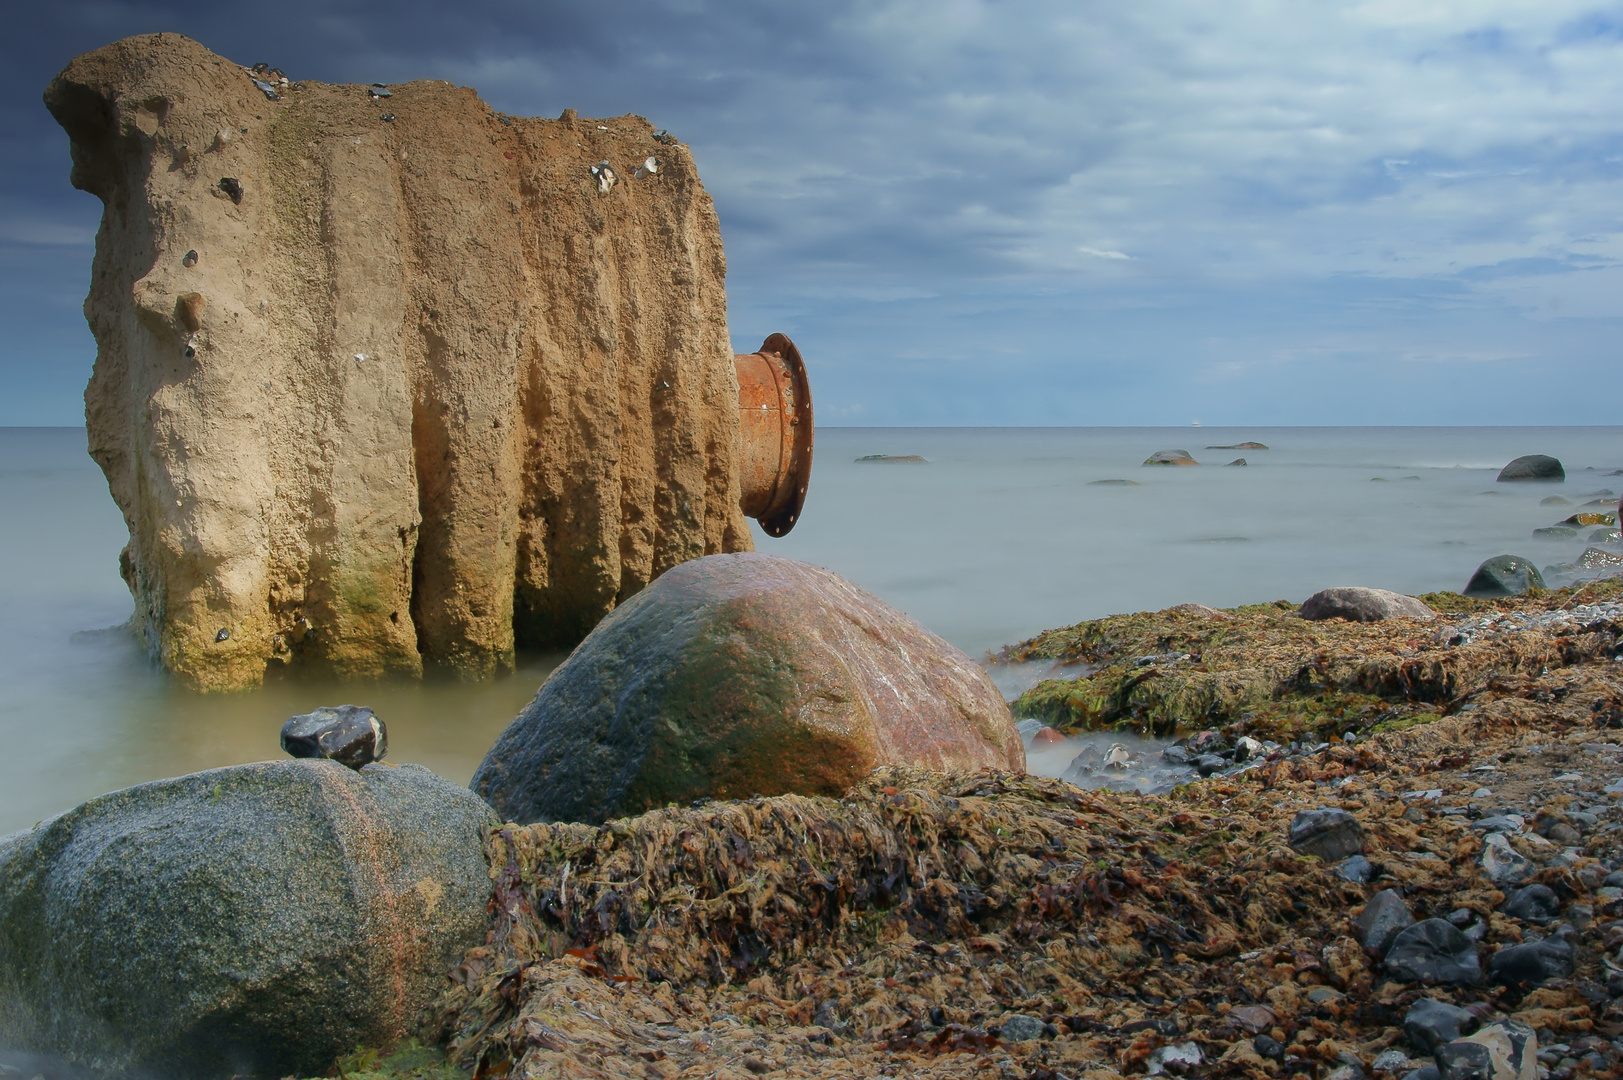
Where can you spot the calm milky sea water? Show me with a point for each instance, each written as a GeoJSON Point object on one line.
{"type": "Point", "coordinates": [1003, 533]}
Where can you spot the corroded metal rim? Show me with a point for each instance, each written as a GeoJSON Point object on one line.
{"type": "Point", "coordinates": [775, 434]}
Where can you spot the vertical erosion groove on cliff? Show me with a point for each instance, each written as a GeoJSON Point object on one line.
{"type": "Point", "coordinates": [384, 384]}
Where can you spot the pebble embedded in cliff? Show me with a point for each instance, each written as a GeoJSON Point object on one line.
{"type": "Point", "coordinates": [348, 734]}
{"type": "Point", "coordinates": [256, 919]}
{"type": "Point", "coordinates": [736, 675]}
{"type": "Point", "coordinates": [1504, 575]}
{"type": "Point", "coordinates": [1358, 604]}
{"type": "Point", "coordinates": [1170, 457]}
{"type": "Point", "coordinates": [1533, 467]}
{"type": "Point", "coordinates": [1330, 833]}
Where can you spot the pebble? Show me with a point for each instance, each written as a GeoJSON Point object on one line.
{"type": "Point", "coordinates": [1356, 869]}
{"type": "Point", "coordinates": [1527, 965]}
{"type": "Point", "coordinates": [348, 734]}
{"type": "Point", "coordinates": [1382, 920]}
{"type": "Point", "coordinates": [1331, 834]}
{"type": "Point", "coordinates": [1500, 823]}
{"type": "Point", "coordinates": [1018, 1027]}
{"type": "Point", "coordinates": [1533, 903]}
{"type": "Point", "coordinates": [1432, 952]}
{"type": "Point", "coordinates": [1390, 1061]}
{"type": "Point", "coordinates": [1430, 1023]}
{"type": "Point", "coordinates": [1502, 863]}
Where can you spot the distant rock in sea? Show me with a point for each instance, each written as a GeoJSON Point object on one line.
{"type": "Point", "coordinates": [1240, 446]}
{"type": "Point", "coordinates": [894, 459]}
{"type": "Point", "coordinates": [1554, 500]}
{"type": "Point", "coordinates": [1170, 457]}
{"type": "Point", "coordinates": [1238, 461]}
{"type": "Point", "coordinates": [1534, 467]}
{"type": "Point", "coordinates": [1112, 483]}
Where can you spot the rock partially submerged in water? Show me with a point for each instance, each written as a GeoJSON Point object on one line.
{"type": "Point", "coordinates": [736, 675]}
{"type": "Point", "coordinates": [1170, 457]}
{"type": "Point", "coordinates": [260, 918]}
{"type": "Point", "coordinates": [1359, 604]}
{"type": "Point", "coordinates": [1240, 446]}
{"type": "Point", "coordinates": [1504, 575]}
{"type": "Point", "coordinates": [893, 459]}
{"type": "Point", "coordinates": [348, 734]}
{"type": "Point", "coordinates": [1533, 467]}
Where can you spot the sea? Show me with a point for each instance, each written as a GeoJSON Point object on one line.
{"type": "Point", "coordinates": [996, 535]}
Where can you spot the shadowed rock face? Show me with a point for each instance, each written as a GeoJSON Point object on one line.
{"type": "Point", "coordinates": [382, 382]}
{"type": "Point", "coordinates": [740, 675]}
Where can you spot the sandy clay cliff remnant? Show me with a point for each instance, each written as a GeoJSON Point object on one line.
{"type": "Point", "coordinates": [386, 379]}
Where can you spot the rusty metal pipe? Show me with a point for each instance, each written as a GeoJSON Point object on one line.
{"type": "Point", "coordinates": [775, 433]}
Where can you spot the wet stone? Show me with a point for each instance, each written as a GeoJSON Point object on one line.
{"type": "Point", "coordinates": [1504, 575]}
{"type": "Point", "coordinates": [1207, 764]}
{"type": "Point", "coordinates": [1507, 1050]}
{"type": "Point", "coordinates": [1383, 919]}
{"type": "Point", "coordinates": [1502, 863]}
{"type": "Point", "coordinates": [1527, 965]}
{"type": "Point", "coordinates": [1331, 834]}
{"type": "Point", "coordinates": [1430, 1023]}
{"type": "Point", "coordinates": [1533, 903]}
{"type": "Point", "coordinates": [1433, 952]}
{"type": "Point", "coordinates": [348, 734]}
{"type": "Point", "coordinates": [1356, 869]}
{"type": "Point", "coordinates": [1018, 1027]}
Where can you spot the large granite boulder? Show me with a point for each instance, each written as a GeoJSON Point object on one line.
{"type": "Point", "coordinates": [737, 675]}
{"type": "Point", "coordinates": [256, 919]}
{"type": "Point", "coordinates": [1363, 605]}
{"type": "Point", "coordinates": [1504, 575]}
{"type": "Point", "coordinates": [1534, 467]}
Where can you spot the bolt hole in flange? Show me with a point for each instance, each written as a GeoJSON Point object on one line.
{"type": "Point", "coordinates": [775, 433]}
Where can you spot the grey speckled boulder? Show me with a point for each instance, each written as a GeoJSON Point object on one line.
{"type": "Point", "coordinates": [1504, 575]}
{"type": "Point", "coordinates": [737, 675]}
{"type": "Point", "coordinates": [261, 918]}
{"type": "Point", "coordinates": [1534, 467]}
{"type": "Point", "coordinates": [1359, 604]}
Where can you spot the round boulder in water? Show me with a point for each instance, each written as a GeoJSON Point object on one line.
{"type": "Point", "coordinates": [1534, 467]}
{"type": "Point", "coordinates": [737, 675]}
{"type": "Point", "coordinates": [257, 919]}
{"type": "Point", "coordinates": [1504, 575]}
{"type": "Point", "coordinates": [1170, 457]}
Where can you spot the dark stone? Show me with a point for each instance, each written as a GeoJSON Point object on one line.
{"type": "Point", "coordinates": [232, 187]}
{"type": "Point", "coordinates": [256, 919]}
{"type": "Point", "coordinates": [1359, 604]}
{"type": "Point", "coordinates": [1434, 952]}
{"type": "Point", "coordinates": [1207, 764]}
{"type": "Point", "coordinates": [1425, 1072]}
{"type": "Point", "coordinates": [1170, 457]}
{"type": "Point", "coordinates": [1534, 903]}
{"type": "Point", "coordinates": [1598, 558]}
{"type": "Point", "coordinates": [1533, 467]}
{"type": "Point", "coordinates": [736, 675]}
{"type": "Point", "coordinates": [1268, 1047]}
{"type": "Point", "coordinates": [348, 734]}
{"type": "Point", "coordinates": [1504, 575]}
{"type": "Point", "coordinates": [1461, 1060]}
{"type": "Point", "coordinates": [1383, 918]}
{"type": "Point", "coordinates": [1247, 445]}
{"type": "Point", "coordinates": [1356, 869]}
{"type": "Point", "coordinates": [1430, 1023]}
{"type": "Point", "coordinates": [1331, 834]}
{"type": "Point", "coordinates": [1554, 532]}
{"type": "Point", "coordinates": [1238, 461]}
{"type": "Point", "coordinates": [1525, 966]}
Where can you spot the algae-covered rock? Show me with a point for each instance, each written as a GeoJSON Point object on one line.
{"type": "Point", "coordinates": [1533, 467]}
{"type": "Point", "coordinates": [255, 919]}
{"type": "Point", "coordinates": [1170, 457]}
{"type": "Point", "coordinates": [1504, 575]}
{"type": "Point", "coordinates": [736, 675]}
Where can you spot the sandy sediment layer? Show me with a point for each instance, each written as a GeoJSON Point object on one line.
{"type": "Point", "coordinates": [386, 382]}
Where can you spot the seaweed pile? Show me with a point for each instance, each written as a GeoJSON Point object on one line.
{"type": "Point", "coordinates": [990, 923]}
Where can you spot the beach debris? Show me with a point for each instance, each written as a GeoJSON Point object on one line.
{"type": "Point", "coordinates": [1360, 604]}
{"type": "Point", "coordinates": [1504, 575]}
{"type": "Point", "coordinates": [604, 173]}
{"type": "Point", "coordinates": [1533, 467]}
{"type": "Point", "coordinates": [232, 187]}
{"type": "Point", "coordinates": [267, 89]}
{"type": "Point", "coordinates": [649, 167]}
{"type": "Point", "coordinates": [348, 734]}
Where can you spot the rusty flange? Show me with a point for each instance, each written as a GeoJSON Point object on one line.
{"type": "Point", "coordinates": [775, 433]}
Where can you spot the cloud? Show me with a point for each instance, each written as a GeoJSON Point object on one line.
{"type": "Point", "coordinates": [1368, 158]}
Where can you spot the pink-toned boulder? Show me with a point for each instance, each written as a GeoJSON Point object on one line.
{"type": "Point", "coordinates": [740, 675]}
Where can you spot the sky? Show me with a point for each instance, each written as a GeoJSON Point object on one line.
{"type": "Point", "coordinates": [1016, 212]}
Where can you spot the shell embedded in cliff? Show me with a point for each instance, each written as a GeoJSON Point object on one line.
{"type": "Point", "coordinates": [547, 417]}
